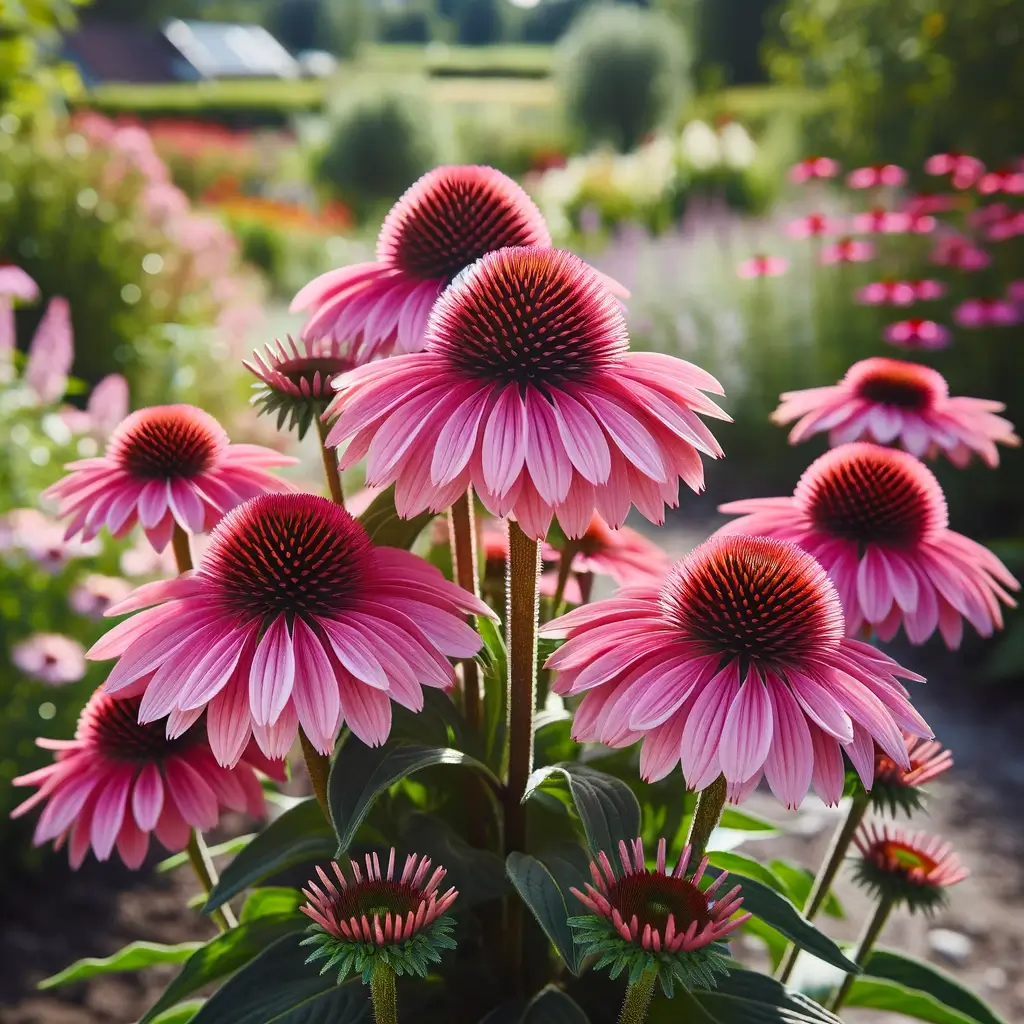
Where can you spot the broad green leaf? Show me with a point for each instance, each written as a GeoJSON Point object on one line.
{"type": "Point", "coordinates": [180, 1014]}
{"type": "Point", "coordinates": [607, 807]}
{"type": "Point", "coordinates": [552, 1006]}
{"type": "Point", "coordinates": [360, 774]}
{"type": "Point", "coordinates": [737, 864]}
{"type": "Point", "coordinates": [777, 944]}
{"type": "Point", "coordinates": [279, 987]}
{"type": "Point", "coordinates": [538, 889]}
{"type": "Point", "coordinates": [682, 1007]}
{"type": "Point", "coordinates": [299, 836]}
{"type": "Point", "coordinates": [882, 994]}
{"type": "Point", "coordinates": [507, 1013]}
{"type": "Point", "coordinates": [774, 909]}
{"type": "Point", "coordinates": [273, 900]}
{"type": "Point", "coordinates": [132, 957]}
{"type": "Point", "coordinates": [226, 954]}
{"type": "Point", "coordinates": [888, 964]}
{"type": "Point", "coordinates": [745, 997]}
{"type": "Point", "coordinates": [386, 527]}
{"type": "Point", "coordinates": [177, 860]}
{"type": "Point", "coordinates": [798, 887]}
{"type": "Point", "coordinates": [744, 821]}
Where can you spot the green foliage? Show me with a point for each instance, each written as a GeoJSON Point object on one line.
{"type": "Point", "coordinates": [908, 78]}
{"type": "Point", "coordinates": [29, 34]}
{"type": "Point", "coordinates": [379, 145]}
{"type": "Point", "coordinates": [133, 957]}
{"type": "Point", "coordinates": [623, 72]}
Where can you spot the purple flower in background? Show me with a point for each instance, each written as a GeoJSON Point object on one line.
{"type": "Point", "coordinates": [50, 658]}
{"type": "Point", "coordinates": [993, 312]}
{"type": "Point", "coordinates": [51, 353]}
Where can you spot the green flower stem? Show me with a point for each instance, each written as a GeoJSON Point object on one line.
{"type": "Point", "coordinates": [706, 817]}
{"type": "Point", "coordinates": [521, 616]}
{"type": "Point", "coordinates": [827, 874]}
{"type": "Point", "coordinates": [383, 995]}
{"type": "Point", "coordinates": [462, 532]}
{"type": "Point", "coordinates": [867, 943]}
{"type": "Point", "coordinates": [565, 557]}
{"type": "Point", "coordinates": [638, 998]}
{"type": "Point", "coordinates": [182, 549]}
{"type": "Point", "coordinates": [330, 460]}
{"type": "Point", "coordinates": [202, 864]}
{"type": "Point", "coordinates": [319, 767]}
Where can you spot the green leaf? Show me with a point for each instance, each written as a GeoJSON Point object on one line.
{"type": "Point", "coordinates": [360, 774]}
{"type": "Point", "coordinates": [893, 966]}
{"type": "Point", "coordinates": [299, 836]}
{"type": "Point", "coordinates": [552, 1006]}
{"type": "Point", "coordinates": [386, 527]}
{"type": "Point", "coordinates": [774, 909]}
{"type": "Point", "coordinates": [882, 994]}
{"type": "Point", "coordinates": [226, 954]}
{"type": "Point", "coordinates": [737, 864]}
{"type": "Point", "coordinates": [743, 821]}
{"type": "Point", "coordinates": [177, 860]}
{"type": "Point", "coordinates": [279, 987]}
{"type": "Point", "coordinates": [538, 889]}
{"type": "Point", "coordinates": [798, 881]}
{"type": "Point", "coordinates": [180, 1014]}
{"type": "Point", "coordinates": [132, 957]}
{"type": "Point", "coordinates": [776, 944]}
{"type": "Point", "coordinates": [607, 807]}
{"type": "Point", "coordinates": [744, 997]}
{"type": "Point", "coordinates": [271, 901]}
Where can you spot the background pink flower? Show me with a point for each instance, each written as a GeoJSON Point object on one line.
{"type": "Point", "coordinates": [918, 333]}
{"type": "Point", "coordinates": [50, 658]}
{"type": "Point", "coordinates": [763, 266]}
{"type": "Point", "coordinates": [813, 167]}
{"type": "Point", "coordinates": [625, 555]}
{"type": "Point", "coordinates": [963, 170]}
{"type": "Point", "coordinates": [848, 250]}
{"type": "Point", "coordinates": [51, 353]}
{"type": "Point", "coordinates": [94, 595]}
{"type": "Point", "coordinates": [876, 176]}
{"type": "Point", "coordinates": [990, 312]}
{"type": "Point", "coordinates": [879, 221]}
{"type": "Point", "coordinates": [814, 225]}
{"type": "Point", "coordinates": [887, 293]}
{"type": "Point", "coordinates": [960, 253]}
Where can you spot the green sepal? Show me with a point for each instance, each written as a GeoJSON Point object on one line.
{"type": "Point", "coordinates": [888, 885]}
{"type": "Point", "coordinates": [297, 411]}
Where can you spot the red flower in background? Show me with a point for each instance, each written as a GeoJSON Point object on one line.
{"type": "Point", "coordinates": [811, 168]}
{"type": "Point", "coordinates": [876, 176]}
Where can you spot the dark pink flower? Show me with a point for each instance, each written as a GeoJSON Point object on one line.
{"type": "Point", "coordinates": [876, 176]}
{"type": "Point", "coordinates": [881, 221]}
{"type": "Point", "coordinates": [847, 250]}
{"type": "Point", "coordinates": [987, 312]}
{"type": "Point", "coordinates": [917, 333]}
{"type": "Point", "coordinates": [960, 253]}
{"type": "Point", "coordinates": [1015, 292]}
{"type": "Point", "coordinates": [900, 293]}
{"type": "Point", "coordinates": [117, 782]}
{"type": "Point", "coordinates": [926, 204]}
{"type": "Point", "coordinates": [813, 167]}
{"type": "Point", "coordinates": [1011, 226]}
{"type": "Point", "coordinates": [1007, 180]}
{"type": "Point", "coordinates": [963, 170]}
{"type": "Point", "coordinates": [814, 225]}
{"type": "Point", "coordinates": [626, 556]}
{"type": "Point", "coordinates": [763, 266]}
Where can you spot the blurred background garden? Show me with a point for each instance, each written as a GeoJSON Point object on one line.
{"type": "Point", "coordinates": [173, 171]}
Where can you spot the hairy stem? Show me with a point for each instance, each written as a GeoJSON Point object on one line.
{"type": "Point", "coordinates": [182, 549]}
{"type": "Point", "coordinates": [706, 817]}
{"type": "Point", "coordinates": [638, 998]}
{"type": "Point", "coordinates": [383, 995]}
{"type": "Point", "coordinates": [202, 864]}
{"type": "Point", "coordinates": [319, 767]}
{"type": "Point", "coordinates": [864, 947]}
{"type": "Point", "coordinates": [462, 533]}
{"type": "Point", "coordinates": [827, 875]}
{"type": "Point", "coordinates": [330, 460]}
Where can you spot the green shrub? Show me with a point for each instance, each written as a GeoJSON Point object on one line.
{"type": "Point", "coordinates": [624, 71]}
{"type": "Point", "coordinates": [378, 146]}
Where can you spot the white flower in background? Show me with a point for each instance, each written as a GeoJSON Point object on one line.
{"type": "Point", "coordinates": [700, 146]}
{"type": "Point", "coordinates": [738, 149]}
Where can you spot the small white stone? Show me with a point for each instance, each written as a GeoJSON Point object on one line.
{"type": "Point", "coordinates": [952, 946]}
{"type": "Point", "coordinates": [995, 979]}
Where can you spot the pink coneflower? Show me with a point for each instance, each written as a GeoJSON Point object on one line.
{"type": "Point", "coordinates": [106, 408]}
{"type": "Point", "coordinates": [1015, 292]}
{"type": "Point", "coordinates": [763, 266]}
{"type": "Point", "coordinates": [1003, 230]}
{"type": "Point", "coordinates": [986, 312]}
{"type": "Point", "coordinates": [1007, 180]}
{"type": "Point", "coordinates": [528, 391]}
{"type": "Point", "coordinates": [963, 170]}
{"type": "Point", "coordinates": [398, 921]}
{"type": "Point", "coordinates": [15, 286]}
{"type": "Point", "coordinates": [41, 540]}
{"type": "Point", "coordinates": [811, 168]}
{"type": "Point", "coordinates": [876, 176]}
{"type": "Point", "coordinates": [906, 867]}
{"type": "Point", "coordinates": [900, 293]}
{"type": "Point", "coordinates": [926, 204]}
{"type": "Point", "coordinates": [897, 787]}
{"type": "Point", "coordinates": [624, 555]}
{"type": "Point", "coordinates": [50, 658]}
{"type": "Point", "coordinates": [918, 333]}
{"type": "Point", "coordinates": [814, 225]}
{"type": "Point", "coordinates": [876, 520]}
{"type": "Point", "coordinates": [295, 381]}
{"type": "Point", "coordinates": [166, 465]}
{"type": "Point", "coordinates": [444, 222]}
{"type": "Point", "coordinates": [292, 618]}
{"type": "Point", "coordinates": [848, 250]}
{"type": "Point", "coordinates": [888, 400]}
{"type": "Point", "coordinates": [658, 920]}
{"type": "Point", "coordinates": [737, 664]}
{"type": "Point", "coordinates": [118, 781]}
{"type": "Point", "coordinates": [494, 551]}
{"type": "Point", "coordinates": [959, 253]}
{"type": "Point", "coordinates": [881, 221]}
{"type": "Point", "coordinates": [51, 353]}
{"type": "Point", "coordinates": [95, 595]}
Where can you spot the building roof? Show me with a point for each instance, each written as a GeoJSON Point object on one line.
{"type": "Point", "coordinates": [110, 52]}
{"type": "Point", "coordinates": [224, 50]}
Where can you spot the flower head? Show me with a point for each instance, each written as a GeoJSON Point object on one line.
{"type": "Point", "coordinates": [876, 176]}
{"type": "Point", "coordinates": [443, 223]}
{"type": "Point", "coordinates": [626, 556]}
{"type": "Point", "coordinates": [876, 520]}
{"type": "Point", "coordinates": [292, 618]}
{"type": "Point", "coordinates": [891, 401]}
{"type": "Point", "coordinates": [94, 595]}
{"type": "Point", "coordinates": [641, 919]}
{"type": "Point", "coordinates": [528, 391]}
{"type": "Point", "coordinates": [379, 917]}
{"type": "Point", "coordinates": [848, 250]}
{"type": "Point", "coordinates": [959, 253]}
{"type": "Point", "coordinates": [813, 167]}
{"type": "Point", "coordinates": [908, 867]}
{"type": "Point", "coordinates": [814, 225]}
{"type": "Point", "coordinates": [918, 333]}
{"type": "Point", "coordinates": [16, 284]}
{"type": "Point", "coordinates": [1008, 180]}
{"type": "Point", "coordinates": [963, 170]}
{"type": "Point", "coordinates": [42, 540]}
{"type": "Point", "coordinates": [986, 312]}
{"type": "Point", "coordinates": [900, 293]}
{"type": "Point", "coordinates": [166, 465]}
{"type": "Point", "coordinates": [763, 266]}
{"type": "Point", "coordinates": [737, 664]}
{"type": "Point", "coordinates": [881, 221]}
{"type": "Point", "coordinates": [295, 380]}
{"type": "Point", "coordinates": [50, 658]}
{"type": "Point", "coordinates": [897, 787]}
{"type": "Point", "coordinates": [117, 781]}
